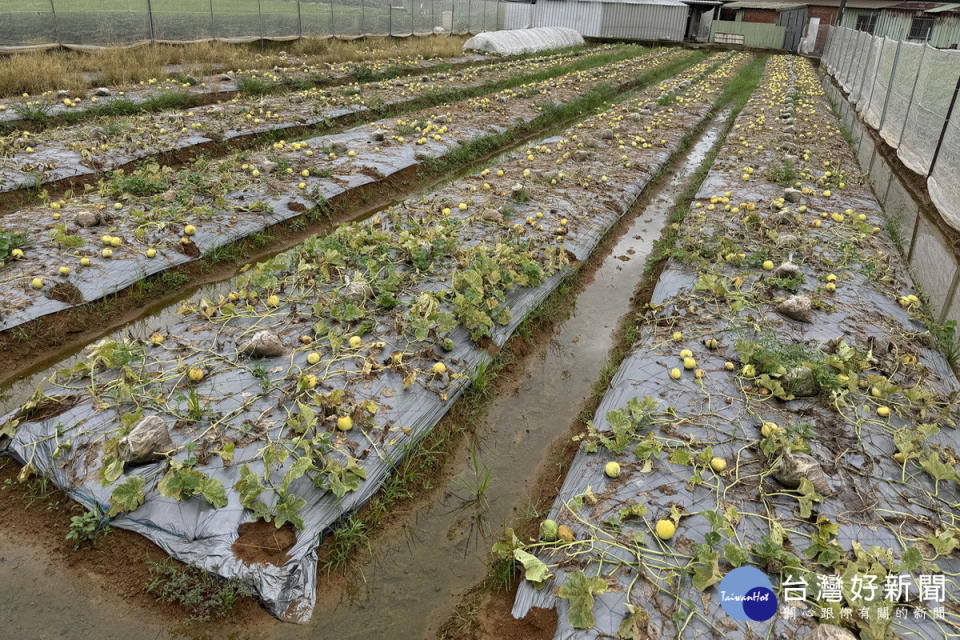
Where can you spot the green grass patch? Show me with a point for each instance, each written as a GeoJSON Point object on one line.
{"type": "Point", "coordinates": [204, 595]}
{"type": "Point", "coordinates": [253, 86]}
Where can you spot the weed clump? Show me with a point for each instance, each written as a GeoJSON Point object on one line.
{"type": "Point", "coordinates": [203, 594]}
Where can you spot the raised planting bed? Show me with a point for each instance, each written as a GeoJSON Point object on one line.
{"type": "Point", "coordinates": [784, 411]}
{"type": "Point", "coordinates": [138, 224]}
{"type": "Point", "coordinates": [180, 90]}
{"type": "Point", "coordinates": [64, 156]}
{"type": "Point", "coordinates": [287, 394]}
{"type": "Point", "coordinates": [185, 89]}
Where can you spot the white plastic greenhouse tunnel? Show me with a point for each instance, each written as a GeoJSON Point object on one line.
{"type": "Point", "coordinates": [515, 41]}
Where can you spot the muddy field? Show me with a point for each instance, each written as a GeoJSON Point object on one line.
{"type": "Point", "coordinates": [457, 267]}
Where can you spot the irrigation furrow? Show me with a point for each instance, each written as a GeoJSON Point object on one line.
{"type": "Point", "coordinates": [511, 444]}
{"type": "Point", "coordinates": [217, 203]}
{"type": "Point", "coordinates": [75, 155]}
{"type": "Point", "coordinates": [376, 329]}
{"type": "Point", "coordinates": [782, 409]}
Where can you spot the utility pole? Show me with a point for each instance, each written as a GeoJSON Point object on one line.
{"type": "Point", "coordinates": [843, 5]}
{"type": "Point", "coordinates": [56, 27]}
{"type": "Point", "coordinates": [153, 35]}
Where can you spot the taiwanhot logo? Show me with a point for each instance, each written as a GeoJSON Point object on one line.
{"type": "Point", "coordinates": [746, 594]}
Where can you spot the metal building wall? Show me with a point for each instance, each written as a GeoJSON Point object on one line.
{"type": "Point", "coordinates": [893, 24]}
{"type": "Point", "coordinates": [850, 16]}
{"type": "Point", "coordinates": [585, 17]}
{"type": "Point", "coordinates": [643, 21]}
{"type": "Point", "coordinates": [517, 15]}
{"type": "Point", "coordinates": [755, 34]}
{"type": "Point", "coordinates": [946, 32]}
{"type": "Point", "coordinates": [620, 20]}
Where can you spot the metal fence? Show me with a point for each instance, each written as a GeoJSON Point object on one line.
{"type": "Point", "coordinates": [31, 23]}
{"type": "Point", "coordinates": [908, 92]}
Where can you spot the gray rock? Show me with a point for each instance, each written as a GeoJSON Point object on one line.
{"type": "Point", "coordinates": [794, 467]}
{"type": "Point", "coordinates": [880, 345]}
{"type": "Point", "coordinates": [797, 308]}
{"type": "Point", "coordinates": [102, 92]}
{"type": "Point", "coordinates": [263, 344]}
{"type": "Point", "coordinates": [492, 215]}
{"type": "Point", "coordinates": [87, 219]}
{"type": "Point", "coordinates": [801, 382]}
{"type": "Point", "coordinates": [792, 195]}
{"type": "Point", "coordinates": [829, 632]}
{"type": "Point", "coordinates": [146, 442]}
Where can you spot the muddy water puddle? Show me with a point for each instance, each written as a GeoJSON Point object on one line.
{"type": "Point", "coordinates": [418, 573]}
{"type": "Point", "coordinates": [42, 600]}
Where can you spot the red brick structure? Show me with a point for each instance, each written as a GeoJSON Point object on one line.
{"type": "Point", "coordinates": [766, 16]}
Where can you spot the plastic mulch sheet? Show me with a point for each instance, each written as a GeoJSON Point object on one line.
{"type": "Point", "coordinates": [52, 104]}
{"type": "Point", "coordinates": [251, 205]}
{"type": "Point", "coordinates": [863, 513]}
{"type": "Point", "coordinates": [106, 143]}
{"type": "Point", "coordinates": [362, 321]}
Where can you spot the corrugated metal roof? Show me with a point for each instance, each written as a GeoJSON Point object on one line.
{"type": "Point", "coordinates": [915, 6]}
{"type": "Point", "coordinates": [855, 4]}
{"type": "Point", "coordinates": [764, 4]}
{"type": "Point", "coordinates": [851, 4]}
{"type": "Point", "coordinates": [662, 3]}
{"type": "Point", "coordinates": [953, 6]}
